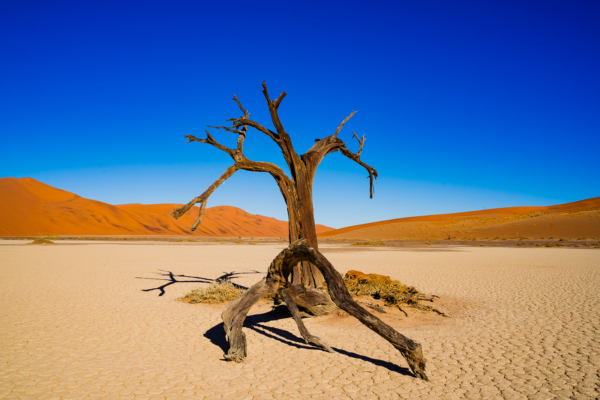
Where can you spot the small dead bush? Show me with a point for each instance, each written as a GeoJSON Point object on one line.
{"type": "Point", "coordinates": [392, 292]}
{"type": "Point", "coordinates": [369, 243]}
{"type": "Point", "coordinates": [42, 241]}
{"type": "Point", "coordinates": [216, 292]}
{"type": "Point", "coordinates": [379, 287]}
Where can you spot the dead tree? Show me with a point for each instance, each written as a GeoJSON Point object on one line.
{"type": "Point", "coordinates": [296, 191]}
{"type": "Point", "coordinates": [298, 274]}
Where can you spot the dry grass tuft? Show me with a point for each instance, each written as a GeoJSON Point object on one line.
{"type": "Point", "coordinates": [369, 243]}
{"type": "Point", "coordinates": [42, 241]}
{"type": "Point", "coordinates": [392, 292]}
{"type": "Point", "coordinates": [217, 292]}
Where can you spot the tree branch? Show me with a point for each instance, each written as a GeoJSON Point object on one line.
{"type": "Point", "coordinates": [279, 99]}
{"type": "Point", "coordinates": [237, 122]}
{"type": "Point", "coordinates": [360, 142]}
{"type": "Point", "coordinates": [337, 131]}
{"type": "Point", "coordinates": [285, 142]}
{"type": "Point", "coordinates": [241, 163]}
{"type": "Point", "coordinates": [246, 121]}
{"type": "Point", "coordinates": [246, 113]}
{"type": "Point", "coordinates": [210, 140]}
{"type": "Point", "coordinates": [273, 106]}
{"type": "Point", "coordinates": [356, 158]}
{"type": "Point", "coordinates": [313, 157]}
{"type": "Point", "coordinates": [178, 212]}
{"type": "Point", "coordinates": [240, 132]}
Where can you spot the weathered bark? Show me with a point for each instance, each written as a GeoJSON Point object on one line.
{"type": "Point", "coordinates": [276, 282]}
{"type": "Point", "coordinates": [296, 191]}
{"type": "Point", "coordinates": [308, 338]}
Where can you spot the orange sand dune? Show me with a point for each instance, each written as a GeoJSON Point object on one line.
{"type": "Point", "coordinates": [580, 219]}
{"type": "Point", "coordinates": [29, 207]}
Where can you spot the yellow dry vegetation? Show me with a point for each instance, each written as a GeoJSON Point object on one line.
{"type": "Point", "coordinates": [391, 291]}
{"type": "Point", "coordinates": [42, 241]}
{"type": "Point", "coordinates": [369, 243]}
{"type": "Point", "coordinates": [216, 292]}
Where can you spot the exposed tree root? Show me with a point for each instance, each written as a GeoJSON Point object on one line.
{"type": "Point", "coordinates": [276, 283]}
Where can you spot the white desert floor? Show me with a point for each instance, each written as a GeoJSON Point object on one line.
{"type": "Point", "coordinates": [75, 322]}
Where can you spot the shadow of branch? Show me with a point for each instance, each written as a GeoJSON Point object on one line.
{"type": "Point", "coordinates": [171, 279]}
{"type": "Point", "coordinates": [255, 322]}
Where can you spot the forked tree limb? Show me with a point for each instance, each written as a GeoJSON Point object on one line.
{"type": "Point", "coordinates": [331, 144]}
{"type": "Point", "coordinates": [361, 142]}
{"type": "Point", "coordinates": [235, 313]}
{"type": "Point", "coordinates": [202, 199]}
{"type": "Point", "coordinates": [210, 140]}
{"type": "Point", "coordinates": [308, 338]}
{"type": "Point", "coordinates": [273, 107]}
{"type": "Point", "coordinates": [356, 158]}
{"type": "Point", "coordinates": [285, 142]}
{"type": "Point", "coordinates": [238, 122]}
{"type": "Point", "coordinates": [240, 162]}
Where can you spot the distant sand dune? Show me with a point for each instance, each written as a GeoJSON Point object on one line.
{"type": "Point", "coordinates": [29, 207]}
{"type": "Point", "coordinates": [571, 220]}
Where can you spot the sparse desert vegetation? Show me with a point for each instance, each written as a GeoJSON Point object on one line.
{"type": "Point", "coordinates": [42, 241]}
{"type": "Point", "coordinates": [391, 291]}
{"type": "Point", "coordinates": [216, 292]}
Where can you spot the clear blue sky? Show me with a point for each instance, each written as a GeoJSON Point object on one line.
{"type": "Point", "coordinates": [465, 105]}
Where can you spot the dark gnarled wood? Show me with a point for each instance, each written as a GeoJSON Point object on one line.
{"type": "Point", "coordinates": [296, 190]}
{"type": "Point", "coordinates": [297, 275]}
{"type": "Point", "coordinates": [315, 301]}
{"type": "Point", "coordinates": [291, 305]}
{"type": "Point", "coordinates": [276, 282]}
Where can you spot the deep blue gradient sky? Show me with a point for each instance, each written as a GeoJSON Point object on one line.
{"type": "Point", "coordinates": [465, 105]}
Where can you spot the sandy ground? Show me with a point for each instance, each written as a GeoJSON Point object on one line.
{"type": "Point", "coordinates": [77, 322]}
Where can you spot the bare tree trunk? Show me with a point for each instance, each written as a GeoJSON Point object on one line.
{"type": "Point", "coordinates": [276, 282]}
{"type": "Point", "coordinates": [306, 273]}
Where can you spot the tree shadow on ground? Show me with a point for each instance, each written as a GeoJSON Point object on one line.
{"type": "Point", "coordinates": [216, 335]}
{"type": "Point", "coordinates": [171, 279]}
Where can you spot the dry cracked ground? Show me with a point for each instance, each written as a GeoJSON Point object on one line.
{"type": "Point", "coordinates": [76, 323]}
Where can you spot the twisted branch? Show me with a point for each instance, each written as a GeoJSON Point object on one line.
{"type": "Point", "coordinates": [210, 140]}
{"type": "Point", "coordinates": [313, 157]}
{"type": "Point", "coordinates": [356, 158]}
{"type": "Point", "coordinates": [202, 199]}
{"type": "Point", "coordinates": [360, 142]}
{"type": "Point", "coordinates": [245, 120]}
{"type": "Point", "coordinates": [275, 282]}
{"type": "Point", "coordinates": [240, 162]}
